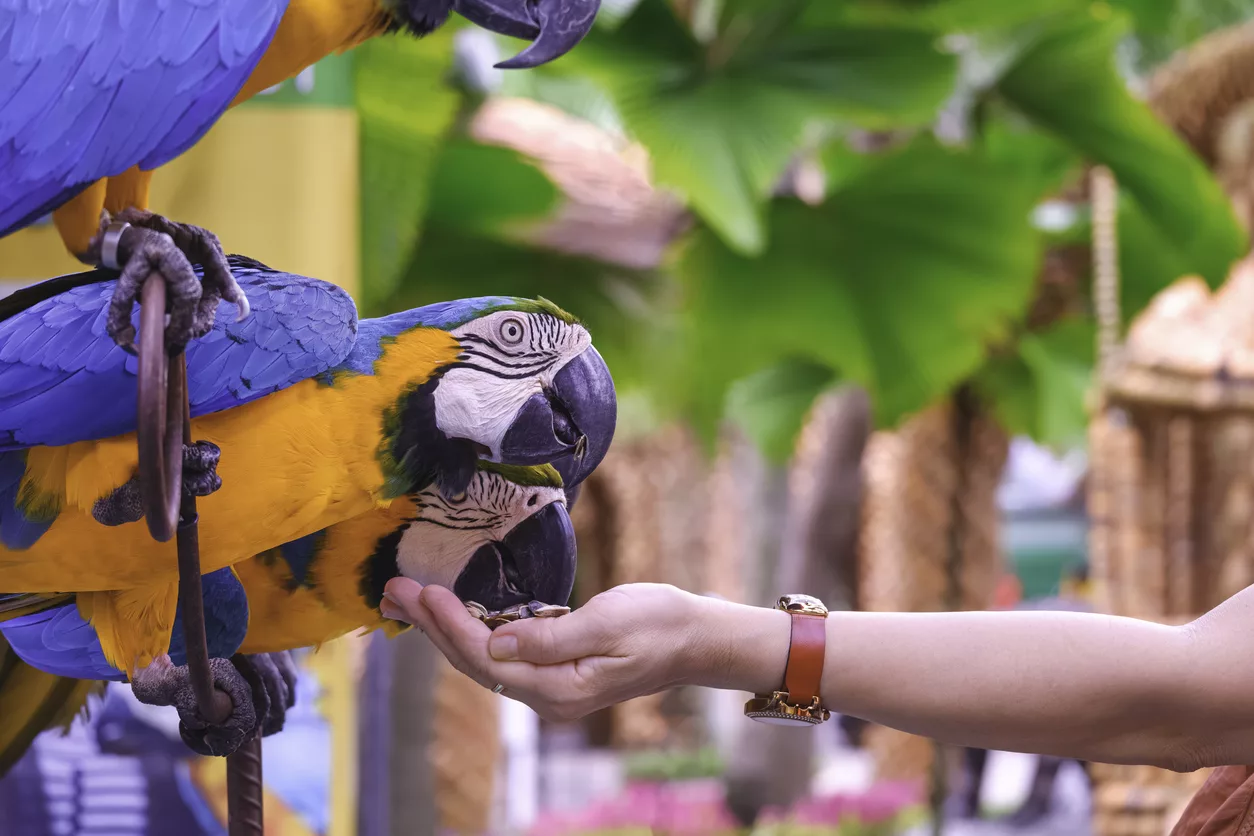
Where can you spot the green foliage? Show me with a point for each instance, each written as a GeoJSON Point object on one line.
{"type": "Point", "coordinates": [404, 110]}
{"type": "Point", "coordinates": [1038, 390]}
{"type": "Point", "coordinates": [771, 405]}
{"type": "Point", "coordinates": [912, 276]}
{"type": "Point", "coordinates": [481, 201]}
{"type": "Point", "coordinates": [898, 281]}
{"type": "Point", "coordinates": [1067, 82]}
{"type": "Point", "coordinates": [484, 190]}
{"type": "Point", "coordinates": [673, 765]}
{"type": "Point", "coordinates": [945, 15]}
{"type": "Point", "coordinates": [721, 119]}
{"type": "Point", "coordinates": [1165, 26]}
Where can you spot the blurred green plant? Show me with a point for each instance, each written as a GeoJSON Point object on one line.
{"type": "Point", "coordinates": [943, 126]}
{"type": "Point", "coordinates": [673, 765]}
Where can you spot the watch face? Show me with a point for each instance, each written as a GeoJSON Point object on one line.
{"type": "Point", "coordinates": [803, 604]}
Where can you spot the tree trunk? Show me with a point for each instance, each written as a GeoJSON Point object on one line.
{"type": "Point", "coordinates": [374, 724]}
{"type": "Point", "coordinates": [817, 556]}
{"type": "Point", "coordinates": [465, 752]}
{"type": "Point", "coordinates": [412, 799]}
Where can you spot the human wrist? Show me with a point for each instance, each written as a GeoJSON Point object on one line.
{"type": "Point", "coordinates": [737, 647]}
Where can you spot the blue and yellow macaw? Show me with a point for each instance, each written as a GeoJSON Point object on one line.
{"type": "Point", "coordinates": [96, 94]}
{"type": "Point", "coordinates": [507, 540]}
{"type": "Point", "coordinates": [322, 418]}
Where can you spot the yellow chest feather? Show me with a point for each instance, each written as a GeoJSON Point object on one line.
{"type": "Point", "coordinates": [292, 463]}
{"type": "Point", "coordinates": [310, 31]}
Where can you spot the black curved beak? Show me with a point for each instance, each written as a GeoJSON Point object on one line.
{"type": "Point", "coordinates": [572, 495]}
{"type": "Point", "coordinates": [535, 562]}
{"type": "Point", "coordinates": [571, 425]}
{"type": "Point", "coordinates": [553, 26]}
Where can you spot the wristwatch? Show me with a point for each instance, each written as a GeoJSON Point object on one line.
{"type": "Point", "coordinates": [798, 702]}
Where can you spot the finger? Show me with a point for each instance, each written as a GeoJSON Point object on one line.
{"type": "Point", "coordinates": [540, 641]}
{"type": "Point", "coordinates": [400, 600]}
{"type": "Point", "coordinates": [403, 602]}
{"type": "Point", "coordinates": [552, 641]}
{"type": "Point", "coordinates": [456, 658]}
{"type": "Point", "coordinates": [464, 639]}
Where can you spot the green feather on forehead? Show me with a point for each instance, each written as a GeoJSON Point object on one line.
{"type": "Point", "coordinates": [539, 305]}
{"type": "Point", "coordinates": [538, 476]}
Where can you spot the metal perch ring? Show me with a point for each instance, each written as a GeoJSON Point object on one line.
{"type": "Point", "coordinates": [164, 426]}
{"type": "Point", "coordinates": [161, 391]}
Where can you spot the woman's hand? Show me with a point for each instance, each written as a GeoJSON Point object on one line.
{"type": "Point", "coordinates": [627, 642]}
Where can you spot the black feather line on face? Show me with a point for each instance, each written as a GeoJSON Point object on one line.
{"type": "Point", "coordinates": [381, 567]}
{"type": "Point", "coordinates": [419, 17]}
{"type": "Point", "coordinates": [424, 453]}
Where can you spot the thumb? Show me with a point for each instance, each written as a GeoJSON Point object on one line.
{"type": "Point", "coordinates": [550, 641]}
{"type": "Point", "coordinates": [401, 600]}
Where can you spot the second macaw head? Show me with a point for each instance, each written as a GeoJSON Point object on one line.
{"type": "Point", "coordinates": [527, 388]}
{"type": "Point", "coordinates": [507, 541]}
{"type": "Point", "coordinates": [553, 26]}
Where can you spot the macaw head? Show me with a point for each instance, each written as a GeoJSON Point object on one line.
{"type": "Point", "coordinates": [529, 389]}
{"type": "Point", "coordinates": [525, 387]}
{"type": "Point", "coordinates": [552, 26]}
{"type": "Point", "coordinates": [507, 541]}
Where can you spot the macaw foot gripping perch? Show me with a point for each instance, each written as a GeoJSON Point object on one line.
{"type": "Point", "coordinates": [141, 244]}
{"type": "Point", "coordinates": [164, 429]}
{"type": "Point", "coordinates": [262, 688]}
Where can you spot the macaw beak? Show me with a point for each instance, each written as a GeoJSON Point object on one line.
{"type": "Point", "coordinates": [572, 495]}
{"type": "Point", "coordinates": [535, 562]}
{"type": "Point", "coordinates": [570, 425]}
{"type": "Point", "coordinates": [553, 26]}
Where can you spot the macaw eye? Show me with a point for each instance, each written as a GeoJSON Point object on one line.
{"type": "Point", "coordinates": [512, 331]}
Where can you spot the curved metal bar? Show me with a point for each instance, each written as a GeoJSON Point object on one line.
{"type": "Point", "coordinates": [164, 427]}
{"type": "Point", "coordinates": [160, 433]}
{"type": "Point", "coordinates": [215, 705]}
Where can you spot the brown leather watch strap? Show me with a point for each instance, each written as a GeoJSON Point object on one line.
{"type": "Point", "coordinates": [804, 674]}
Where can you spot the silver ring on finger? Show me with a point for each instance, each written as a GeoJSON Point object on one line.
{"type": "Point", "coordinates": [498, 688]}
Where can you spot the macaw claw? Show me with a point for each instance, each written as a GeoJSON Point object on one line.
{"type": "Point", "coordinates": [200, 478]}
{"type": "Point", "coordinates": [278, 675]}
{"type": "Point", "coordinates": [497, 618]}
{"type": "Point", "coordinates": [163, 683]}
{"type": "Point", "coordinates": [154, 244]}
{"type": "Point", "coordinates": [200, 468]}
{"type": "Point", "coordinates": [262, 688]}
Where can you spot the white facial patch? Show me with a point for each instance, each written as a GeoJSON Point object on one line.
{"type": "Point", "coordinates": [437, 546]}
{"type": "Point", "coordinates": [508, 357]}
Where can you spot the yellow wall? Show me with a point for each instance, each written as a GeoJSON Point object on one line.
{"type": "Point", "coordinates": [278, 184]}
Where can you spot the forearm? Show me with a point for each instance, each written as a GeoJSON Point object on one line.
{"type": "Point", "coordinates": [1087, 686]}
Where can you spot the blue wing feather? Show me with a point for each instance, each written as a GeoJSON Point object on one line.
{"type": "Point", "coordinates": [90, 88]}
{"type": "Point", "coordinates": [17, 531]}
{"type": "Point", "coordinates": [63, 380]}
{"type": "Point", "coordinates": [58, 640]}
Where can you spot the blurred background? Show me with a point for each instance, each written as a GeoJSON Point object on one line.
{"type": "Point", "coordinates": [911, 304]}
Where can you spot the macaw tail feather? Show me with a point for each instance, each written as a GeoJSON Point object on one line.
{"type": "Point", "coordinates": [32, 701]}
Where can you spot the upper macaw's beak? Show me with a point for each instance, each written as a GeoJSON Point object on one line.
{"type": "Point", "coordinates": [535, 562]}
{"type": "Point", "coordinates": [570, 425]}
{"type": "Point", "coordinates": [553, 26]}
{"type": "Point", "coordinates": [572, 494]}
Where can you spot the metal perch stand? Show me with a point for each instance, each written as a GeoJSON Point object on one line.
{"type": "Point", "coordinates": [164, 427]}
